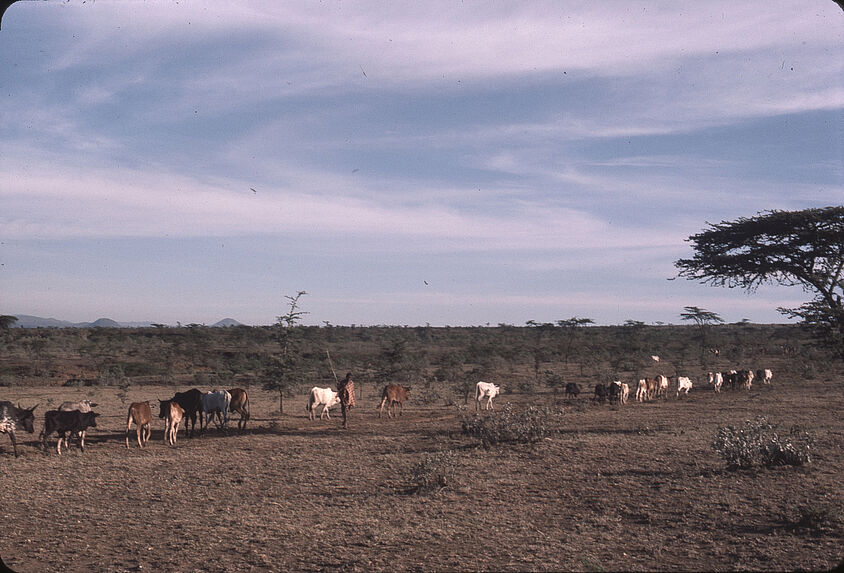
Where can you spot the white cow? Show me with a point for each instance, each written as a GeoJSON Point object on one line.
{"type": "Point", "coordinates": [485, 390]}
{"type": "Point", "coordinates": [83, 406]}
{"type": "Point", "coordinates": [662, 385]}
{"type": "Point", "coordinates": [765, 376]}
{"type": "Point", "coordinates": [215, 406]}
{"type": "Point", "coordinates": [684, 384]}
{"type": "Point", "coordinates": [642, 390]}
{"type": "Point", "coordinates": [717, 379]}
{"type": "Point", "coordinates": [321, 396]}
{"type": "Point", "coordinates": [625, 392]}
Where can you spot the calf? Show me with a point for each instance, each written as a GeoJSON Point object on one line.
{"type": "Point", "coordinates": [572, 390]}
{"type": "Point", "coordinates": [394, 394]}
{"type": "Point", "coordinates": [141, 415]}
{"type": "Point", "coordinates": [765, 376]}
{"type": "Point", "coordinates": [65, 424]}
{"type": "Point", "coordinates": [684, 384]}
{"type": "Point", "coordinates": [172, 413]}
{"type": "Point", "coordinates": [82, 406]}
{"type": "Point", "coordinates": [486, 390]}
{"type": "Point", "coordinates": [13, 417]}
{"type": "Point", "coordinates": [240, 404]}
{"type": "Point", "coordinates": [325, 397]}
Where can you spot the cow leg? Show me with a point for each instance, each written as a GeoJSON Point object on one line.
{"type": "Point", "coordinates": [139, 430]}
{"type": "Point", "coordinates": [82, 440]}
{"type": "Point", "coordinates": [381, 411]}
{"type": "Point", "coordinates": [14, 442]}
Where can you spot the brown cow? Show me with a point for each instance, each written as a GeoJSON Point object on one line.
{"type": "Point", "coordinates": [393, 394]}
{"type": "Point", "coordinates": [240, 404]}
{"type": "Point", "coordinates": [173, 414]}
{"type": "Point", "coordinates": [141, 415]}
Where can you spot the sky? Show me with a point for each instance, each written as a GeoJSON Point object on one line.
{"type": "Point", "coordinates": [404, 163]}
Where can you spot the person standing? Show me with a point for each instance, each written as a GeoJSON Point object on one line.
{"type": "Point", "coordinates": [346, 393]}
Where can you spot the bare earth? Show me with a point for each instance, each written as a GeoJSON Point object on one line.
{"type": "Point", "coordinates": [634, 488]}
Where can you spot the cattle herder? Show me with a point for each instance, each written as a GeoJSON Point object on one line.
{"type": "Point", "coordinates": [346, 393]}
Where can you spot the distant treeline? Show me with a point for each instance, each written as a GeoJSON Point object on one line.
{"type": "Point", "coordinates": [445, 360]}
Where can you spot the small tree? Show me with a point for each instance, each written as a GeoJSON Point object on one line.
{"type": "Point", "coordinates": [7, 321]}
{"type": "Point", "coordinates": [279, 375]}
{"type": "Point", "coordinates": [703, 318]}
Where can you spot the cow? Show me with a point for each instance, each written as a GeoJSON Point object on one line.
{"type": "Point", "coordinates": [716, 379]}
{"type": "Point", "coordinates": [172, 414]}
{"type": "Point", "coordinates": [191, 403]}
{"type": "Point", "coordinates": [653, 388]}
{"type": "Point", "coordinates": [614, 391]}
{"type": "Point", "coordinates": [572, 390]}
{"type": "Point", "coordinates": [745, 378]}
{"type": "Point", "coordinates": [394, 394]}
{"type": "Point", "coordinates": [325, 397]}
{"type": "Point", "coordinates": [601, 393]}
{"type": "Point", "coordinates": [215, 406]}
{"type": "Point", "coordinates": [240, 404]}
{"type": "Point", "coordinates": [642, 390]}
{"type": "Point", "coordinates": [82, 406]}
{"type": "Point", "coordinates": [732, 379]}
{"type": "Point", "coordinates": [13, 418]}
{"type": "Point", "coordinates": [662, 386]}
{"type": "Point", "coordinates": [765, 376]}
{"type": "Point", "coordinates": [684, 384]}
{"type": "Point", "coordinates": [486, 390]}
{"type": "Point", "coordinates": [65, 424]}
{"type": "Point", "coordinates": [625, 392]}
{"type": "Point", "coordinates": [141, 415]}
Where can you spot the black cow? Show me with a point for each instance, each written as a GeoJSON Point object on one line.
{"type": "Point", "coordinates": [572, 390]}
{"type": "Point", "coordinates": [64, 423]}
{"type": "Point", "coordinates": [191, 403]}
{"type": "Point", "coordinates": [614, 392]}
{"type": "Point", "coordinates": [13, 417]}
{"type": "Point", "coordinates": [601, 393]}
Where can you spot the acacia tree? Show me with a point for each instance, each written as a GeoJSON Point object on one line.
{"type": "Point", "coordinates": [702, 318]}
{"type": "Point", "coordinates": [791, 248]}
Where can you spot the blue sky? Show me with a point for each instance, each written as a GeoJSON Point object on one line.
{"type": "Point", "coordinates": [449, 163]}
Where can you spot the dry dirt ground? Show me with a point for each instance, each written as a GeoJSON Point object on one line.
{"type": "Point", "coordinates": [633, 488]}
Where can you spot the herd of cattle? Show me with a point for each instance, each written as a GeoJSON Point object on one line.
{"type": "Point", "coordinates": [72, 419]}
{"type": "Point", "coordinates": [652, 388]}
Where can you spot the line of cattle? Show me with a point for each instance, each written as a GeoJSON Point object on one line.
{"type": "Point", "coordinates": [74, 418]}
{"type": "Point", "coordinates": [651, 388]}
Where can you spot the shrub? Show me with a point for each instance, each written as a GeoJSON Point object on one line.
{"type": "Point", "coordinates": [510, 425]}
{"type": "Point", "coordinates": [436, 471]}
{"type": "Point", "coordinates": [758, 443]}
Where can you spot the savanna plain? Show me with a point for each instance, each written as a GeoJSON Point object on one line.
{"type": "Point", "coordinates": [631, 487]}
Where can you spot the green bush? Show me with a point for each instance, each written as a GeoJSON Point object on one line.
{"type": "Point", "coordinates": [436, 471]}
{"type": "Point", "coordinates": [511, 425]}
{"type": "Point", "coordinates": [758, 443]}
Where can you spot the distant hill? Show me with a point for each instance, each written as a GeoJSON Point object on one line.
{"type": "Point", "coordinates": [28, 321]}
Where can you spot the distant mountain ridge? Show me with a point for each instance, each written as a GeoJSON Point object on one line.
{"type": "Point", "coordinates": [29, 321]}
